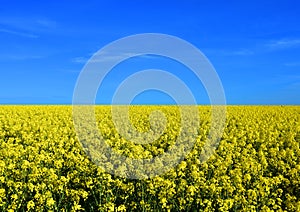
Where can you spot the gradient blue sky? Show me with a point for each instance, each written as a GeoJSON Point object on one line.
{"type": "Point", "coordinates": [253, 45]}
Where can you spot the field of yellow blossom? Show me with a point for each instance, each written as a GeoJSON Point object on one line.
{"type": "Point", "coordinates": [256, 166]}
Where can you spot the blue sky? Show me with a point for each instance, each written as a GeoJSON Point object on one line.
{"type": "Point", "coordinates": [253, 45]}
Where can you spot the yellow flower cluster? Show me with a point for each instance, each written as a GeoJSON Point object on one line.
{"type": "Point", "coordinates": [256, 167]}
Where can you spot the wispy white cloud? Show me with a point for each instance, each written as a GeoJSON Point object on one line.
{"type": "Point", "coordinates": [79, 60]}
{"type": "Point", "coordinates": [283, 43]}
{"type": "Point", "coordinates": [46, 23]}
{"type": "Point", "coordinates": [295, 86]}
{"type": "Point", "coordinates": [19, 33]}
{"type": "Point", "coordinates": [285, 79]}
{"type": "Point", "coordinates": [231, 52]}
{"type": "Point", "coordinates": [265, 46]}
{"type": "Point", "coordinates": [102, 58]}
{"type": "Point", "coordinates": [29, 27]}
{"type": "Point", "coordinates": [20, 57]}
{"type": "Point", "coordinates": [108, 57]}
{"type": "Point", "coordinates": [293, 64]}
{"type": "Point", "coordinates": [28, 23]}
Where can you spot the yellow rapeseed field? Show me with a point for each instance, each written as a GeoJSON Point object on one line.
{"type": "Point", "coordinates": [256, 167]}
